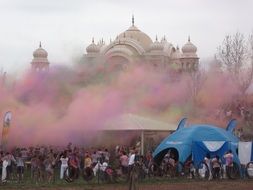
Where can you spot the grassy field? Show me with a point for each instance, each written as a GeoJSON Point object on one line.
{"type": "Point", "coordinates": [148, 184]}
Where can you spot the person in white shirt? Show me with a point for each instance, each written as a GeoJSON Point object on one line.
{"type": "Point", "coordinates": [64, 164]}
{"type": "Point", "coordinates": [4, 170]}
{"type": "Point", "coordinates": [131, 159]}
{"type": "Point", "coordinates": [132, 173]}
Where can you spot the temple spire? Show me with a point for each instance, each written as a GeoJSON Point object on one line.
{"type": "Point", "coordinates": [132, 20]}
{"type": "Point", "coordinates": [189, 39]}
{"type": "Point", "coordinates": [93, 40]}
{"type": "Point", "coordinates": [40, 44]}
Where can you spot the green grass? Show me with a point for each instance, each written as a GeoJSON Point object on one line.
{"type": "Point", "coordinates": [92, 185]}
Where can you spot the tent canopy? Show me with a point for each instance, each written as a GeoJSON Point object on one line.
{"type": "Point", "coordinates": [184, 138]}
{"type": "Point", "coordinates": [131, 122]}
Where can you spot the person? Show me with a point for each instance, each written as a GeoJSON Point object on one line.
{"type": "Point", "coordinates": [20, 167]}
{"type": "Point", "coordinates": [64, 164]}
{"type": "Point", "coordinates": [10, 160]}
{"type": "Point", "coordinates": [148, 159]}
{"type": "Point", "coordinates": [48, 162]}
{"type": "Point", "coordinates": [41, 167]}
{"type": "Point", "coordinates": [103, 168]}
{"type": "Point", "coordinates": [74, 165]}
{"type": "Point", "coordinates": [208, 163]}
{"type": "Point", "coordinates": [228, 162]}
{"type": "Point", "coordinates": [172, 165]}
{"type": "Point", "coordinates": [100, 168]}
{"type": "Point", "coordinates": [88, 167]}
{"type": "Point", "coordinates": [189, 166]}
{"type": "Point", "coordinates": [1, 161]}
{"type": "Point", "coordinates": [123, 162]}
{"type": "Point", "coordinates": [87, 161]}
{"type": "Point", "coordinates": [192, 170]}
{"type": "Point", "coordinates": [167, 157]}
{"type": "Point", "coordinates": [94, 158]}
{"type": "Point", "coordinates": [4, 169]}
{"type": "Point", "coordinates": [35, 168]}
{"type": "Point", "coordinates": [131, 160]}
{"type": "Point", "coordinates": [216, 165]}
{"type": "Point", "coordinates": [107, 155]}
{"type": "Point", "coordinates": [133, 170]}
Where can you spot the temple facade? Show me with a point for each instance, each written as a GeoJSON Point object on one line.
{"type": "Point", "coordinates": [135, 46]}
{"type": "Point", "coordinates": [132, 46]}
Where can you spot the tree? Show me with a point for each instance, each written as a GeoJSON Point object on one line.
{"type": "Point", "coordinates": [2, 77]}
{"type": "Point", "coordinates": [251, 47]}
{"type": "Point", "coordinates": [196, 82]}
{"type": "Point", "coordinates": [235, 55]}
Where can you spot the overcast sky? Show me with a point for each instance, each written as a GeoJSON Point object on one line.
{"type": "Point", "coordinates": [66, 27]}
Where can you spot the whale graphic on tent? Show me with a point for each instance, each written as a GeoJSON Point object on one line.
{"type": "Point", "coordinates": [196, 140]}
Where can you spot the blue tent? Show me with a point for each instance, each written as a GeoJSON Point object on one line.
{"type": "Point", "coordinates": [197, 140]}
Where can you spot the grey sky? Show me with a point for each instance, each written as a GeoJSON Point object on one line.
{"type": "Point", "coordinates": [66, 27]}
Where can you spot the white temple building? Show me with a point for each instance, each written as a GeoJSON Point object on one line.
{"type": "Point", "coordinates": [135, 46]}
{"type": "Point", "coordinates": [132, 46]}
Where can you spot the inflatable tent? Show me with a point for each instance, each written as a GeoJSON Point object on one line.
{"type": "Point", "coordinates": [197, 140]}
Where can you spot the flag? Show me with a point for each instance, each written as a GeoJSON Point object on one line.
{"type": "Point", "coordinates": [6, 127]}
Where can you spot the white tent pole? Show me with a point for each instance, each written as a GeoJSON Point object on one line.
{"type": "Point", "coordinates": [142, 142]}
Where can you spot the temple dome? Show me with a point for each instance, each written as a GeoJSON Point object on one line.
{"type": "Point", "coordinates": [40, 53]}
{"type": "Point", "coordinates": [134, 33]}
{"type": "Point", "coordinates": [177, 54]}
{"type": "Point", "coordinates": [189, 47]}
{"type": "Point", "coordinates": [93, 48]}
{"type": "Point", "coordinates": [156, 46]}
{"type": "Point", "coordinates": [40, 61]}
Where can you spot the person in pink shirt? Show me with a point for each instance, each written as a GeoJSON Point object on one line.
{"type": "Point", "coordinates": [124, 162]}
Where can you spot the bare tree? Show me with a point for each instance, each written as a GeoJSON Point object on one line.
{"type": "Point", "coordinates": [251, 48]}
{"type": "Point", "coordinates": [234, 55]}
{"type": "Point", "coordinates": [197, 79]}
{"type": "Point", "coordinates": [2, 77]}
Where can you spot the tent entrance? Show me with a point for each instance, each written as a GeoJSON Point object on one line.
{"type": "Point", "coordinates": [171, 151]}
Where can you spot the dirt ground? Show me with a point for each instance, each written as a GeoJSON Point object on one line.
{"type": "Point", "coordinates": [198, 185]}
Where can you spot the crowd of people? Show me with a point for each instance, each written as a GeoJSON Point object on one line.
{"type": "Point", "coordinates": [211, 168]}
{"type": "Point", "coordinates": [46, 164]}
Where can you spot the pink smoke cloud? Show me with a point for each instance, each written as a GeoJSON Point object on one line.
{"type": "Point", "coordinates": [69, 104]}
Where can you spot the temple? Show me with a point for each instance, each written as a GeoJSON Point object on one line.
{"type": "Point", "coordinates": [135, 46]}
